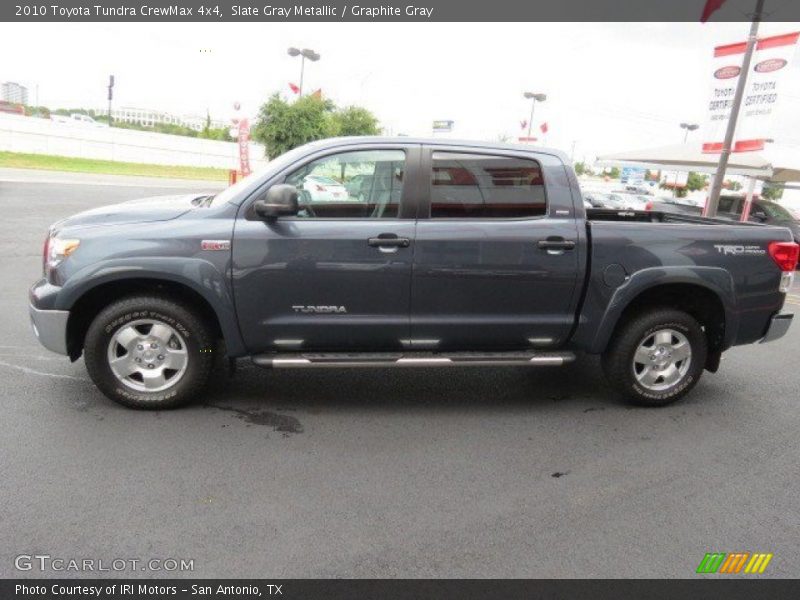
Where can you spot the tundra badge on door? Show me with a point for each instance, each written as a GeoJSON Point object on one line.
{"type": "Point", "coordinates": [319, 310]}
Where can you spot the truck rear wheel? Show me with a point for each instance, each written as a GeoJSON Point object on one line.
{"type": "Point", "coordinates": [656, 357]}
{"type": "Point", "coordinates": [149, 352]}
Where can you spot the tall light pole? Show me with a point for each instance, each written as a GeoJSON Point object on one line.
{"type": "Point", "coordinates": [533, 98]}
{"type": "Point", "coordinates": [110, 97]}
{"type": "Point", "coordinates": [688, 127]}
{"type": "Point", "coordinates": [305, 53]}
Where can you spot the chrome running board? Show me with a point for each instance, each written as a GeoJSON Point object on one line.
{"type": "Point", "coordinates": [411, 359]}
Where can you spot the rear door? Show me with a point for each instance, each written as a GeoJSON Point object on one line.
{"type": "Point", "coordinates": [497, 252]}
{"type": "Point", "coordinates": [338, 275]}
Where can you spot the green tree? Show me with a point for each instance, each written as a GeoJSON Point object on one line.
{"type": "Point", "coordinates": [772, 192]}
{"type": "Point", "coordinates": [695, 181]}
{"type": "Point", "coordinates": [354, 120]}
{"type": "Point", "coordinates": [282, 126]}
{"type": "Point", "coordinates": [612, 173]}
{"type": "Point", "coordinates": [582, 169]}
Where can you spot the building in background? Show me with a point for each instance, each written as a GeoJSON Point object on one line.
{"type": "Point", "coordinates": [14, 92]}
{"type": "Point", "coordinates": [148, 117]}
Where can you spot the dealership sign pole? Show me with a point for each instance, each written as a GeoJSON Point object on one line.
{"type": "Point", "coordinates": [719, 176]}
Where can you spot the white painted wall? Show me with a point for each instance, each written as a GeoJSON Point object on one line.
{"type": "Point", "coordinates": [42, 136]}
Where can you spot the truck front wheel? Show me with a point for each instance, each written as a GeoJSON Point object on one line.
{"type": "Point", "coordinates": [149, 352]}
{"type": "Point", "coordinates": [656, 356]}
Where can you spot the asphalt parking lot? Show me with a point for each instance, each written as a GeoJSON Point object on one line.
{"type": "Point", "coordinates": [376, 473]}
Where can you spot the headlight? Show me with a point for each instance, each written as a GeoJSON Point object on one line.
{"type": "Point", "coordinates": [56, 250]}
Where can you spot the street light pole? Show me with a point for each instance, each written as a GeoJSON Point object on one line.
{"type": "Point", "coordinates": [533, 98]}
{"type": "Point", "coordinates": [719, 176]}
{"type": "Point", "coordinates": [688, 127]}
{"type": "Point", "coordinates": [305, 53]}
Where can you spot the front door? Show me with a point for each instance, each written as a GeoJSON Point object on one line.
{"type": "Point", "coordinates": [338, 275]}
{"type": "Point", "coordinates": [496, 259]}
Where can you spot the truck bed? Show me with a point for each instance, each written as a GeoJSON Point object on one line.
{"type": "Point", "coordinates": [655, 216]}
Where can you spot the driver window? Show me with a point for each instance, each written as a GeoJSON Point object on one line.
{"type": "Point", "coordinates": [365, 184]}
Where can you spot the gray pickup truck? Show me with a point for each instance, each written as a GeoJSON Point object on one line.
{"type": "Point", "coordinates": [402, 252]}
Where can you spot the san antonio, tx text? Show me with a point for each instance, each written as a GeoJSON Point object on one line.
{"type": "Point", "coordinates": [97, 591]}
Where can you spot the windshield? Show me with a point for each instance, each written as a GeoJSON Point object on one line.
{"type": "Point", "coordinates": [253, 180]}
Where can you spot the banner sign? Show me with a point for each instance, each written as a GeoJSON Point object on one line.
{"type": "Point", "coordinates": [771, 60]}
{"type": "Point", "coordinates": [244, 146]}
{"type": "Point", "coordinates": [632, 175]}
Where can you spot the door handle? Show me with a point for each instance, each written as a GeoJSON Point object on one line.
{"type": "Point", "coordinates": [556, 245]}
{"type": "Point", "coordinates": [389, 242]}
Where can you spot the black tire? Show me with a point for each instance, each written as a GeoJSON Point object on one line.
{"type": "Point", "coordinates": [196, 341]}
{"type": "Point", "coordinates": [621, 369]}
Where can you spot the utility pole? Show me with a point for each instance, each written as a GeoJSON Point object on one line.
{"type": "Point", "coordinates": [719, 176]}
{"type": "Point", "coordinates": [533, 98]}
{"type": "Point", "coordinates": [110, 97]}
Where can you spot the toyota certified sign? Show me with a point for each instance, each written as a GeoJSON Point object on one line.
{"type": "Point", "coordinates": [727, 72]}
{"type": "Point", "coordinates": [763, 91]}
{"type": "Point", "coordinates": [773, 64]}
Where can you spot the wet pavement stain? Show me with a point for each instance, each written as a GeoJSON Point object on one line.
{"type": "Point", "coordinates": [283, 423]}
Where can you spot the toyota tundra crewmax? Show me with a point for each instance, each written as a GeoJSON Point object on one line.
{"type": "Point", "coordinates": [402, 252]}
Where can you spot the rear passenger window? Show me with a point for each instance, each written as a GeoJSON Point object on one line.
{"type": "Point", "coordinates": [476, 186]}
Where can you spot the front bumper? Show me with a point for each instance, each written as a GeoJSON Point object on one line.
{"type": "Point", "coordinates": [778, 326]}
{"type": "Point", "coordinates": [50, 328]}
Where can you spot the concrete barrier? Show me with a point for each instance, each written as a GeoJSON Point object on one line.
{"type": "Point", "coordinates": [41, 136]}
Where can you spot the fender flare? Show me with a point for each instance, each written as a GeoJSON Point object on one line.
{"type": "Point", "coordinates": [201, 276]}
{"type": "Point", "coordinates": [714, 279]}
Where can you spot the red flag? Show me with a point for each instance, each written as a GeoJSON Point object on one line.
{"type": "Point", "coordinates": [709, 9]}
{"type": "Point", "coordinates": [294, 88]}
{"type": "Point", "coordinates": [523, 124]}
{"type": "Point", "coordinates": [543, 127]}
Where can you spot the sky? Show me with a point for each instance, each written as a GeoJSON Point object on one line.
{"type": "Point", "coordinates": [610, 86]}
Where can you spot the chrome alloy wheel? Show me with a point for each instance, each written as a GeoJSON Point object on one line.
{"type": "Point", "coordinates": [147, 355]}
{"type": "Point", "coordinates": [662, 359]}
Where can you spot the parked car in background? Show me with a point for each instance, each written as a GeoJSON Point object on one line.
{"type": "Point", "coordinates": [638, 190]}
{"type": "Point", "coordinates": [629, 201]}
{"type": "Point", "coordinates": [604, 200]}
{"type": "Point", "coordinates": [318, 188]}
{"type": "Point", "coordinates": [78, 119]}
{"type": "Point", "coordinates": [730, 208]}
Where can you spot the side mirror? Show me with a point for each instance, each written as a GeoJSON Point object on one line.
{"type": "Point", "coordinates": [280, 201]}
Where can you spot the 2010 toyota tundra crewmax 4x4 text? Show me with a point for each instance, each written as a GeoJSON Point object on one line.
{"type": "Point", "coordinates": [392, 252]}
